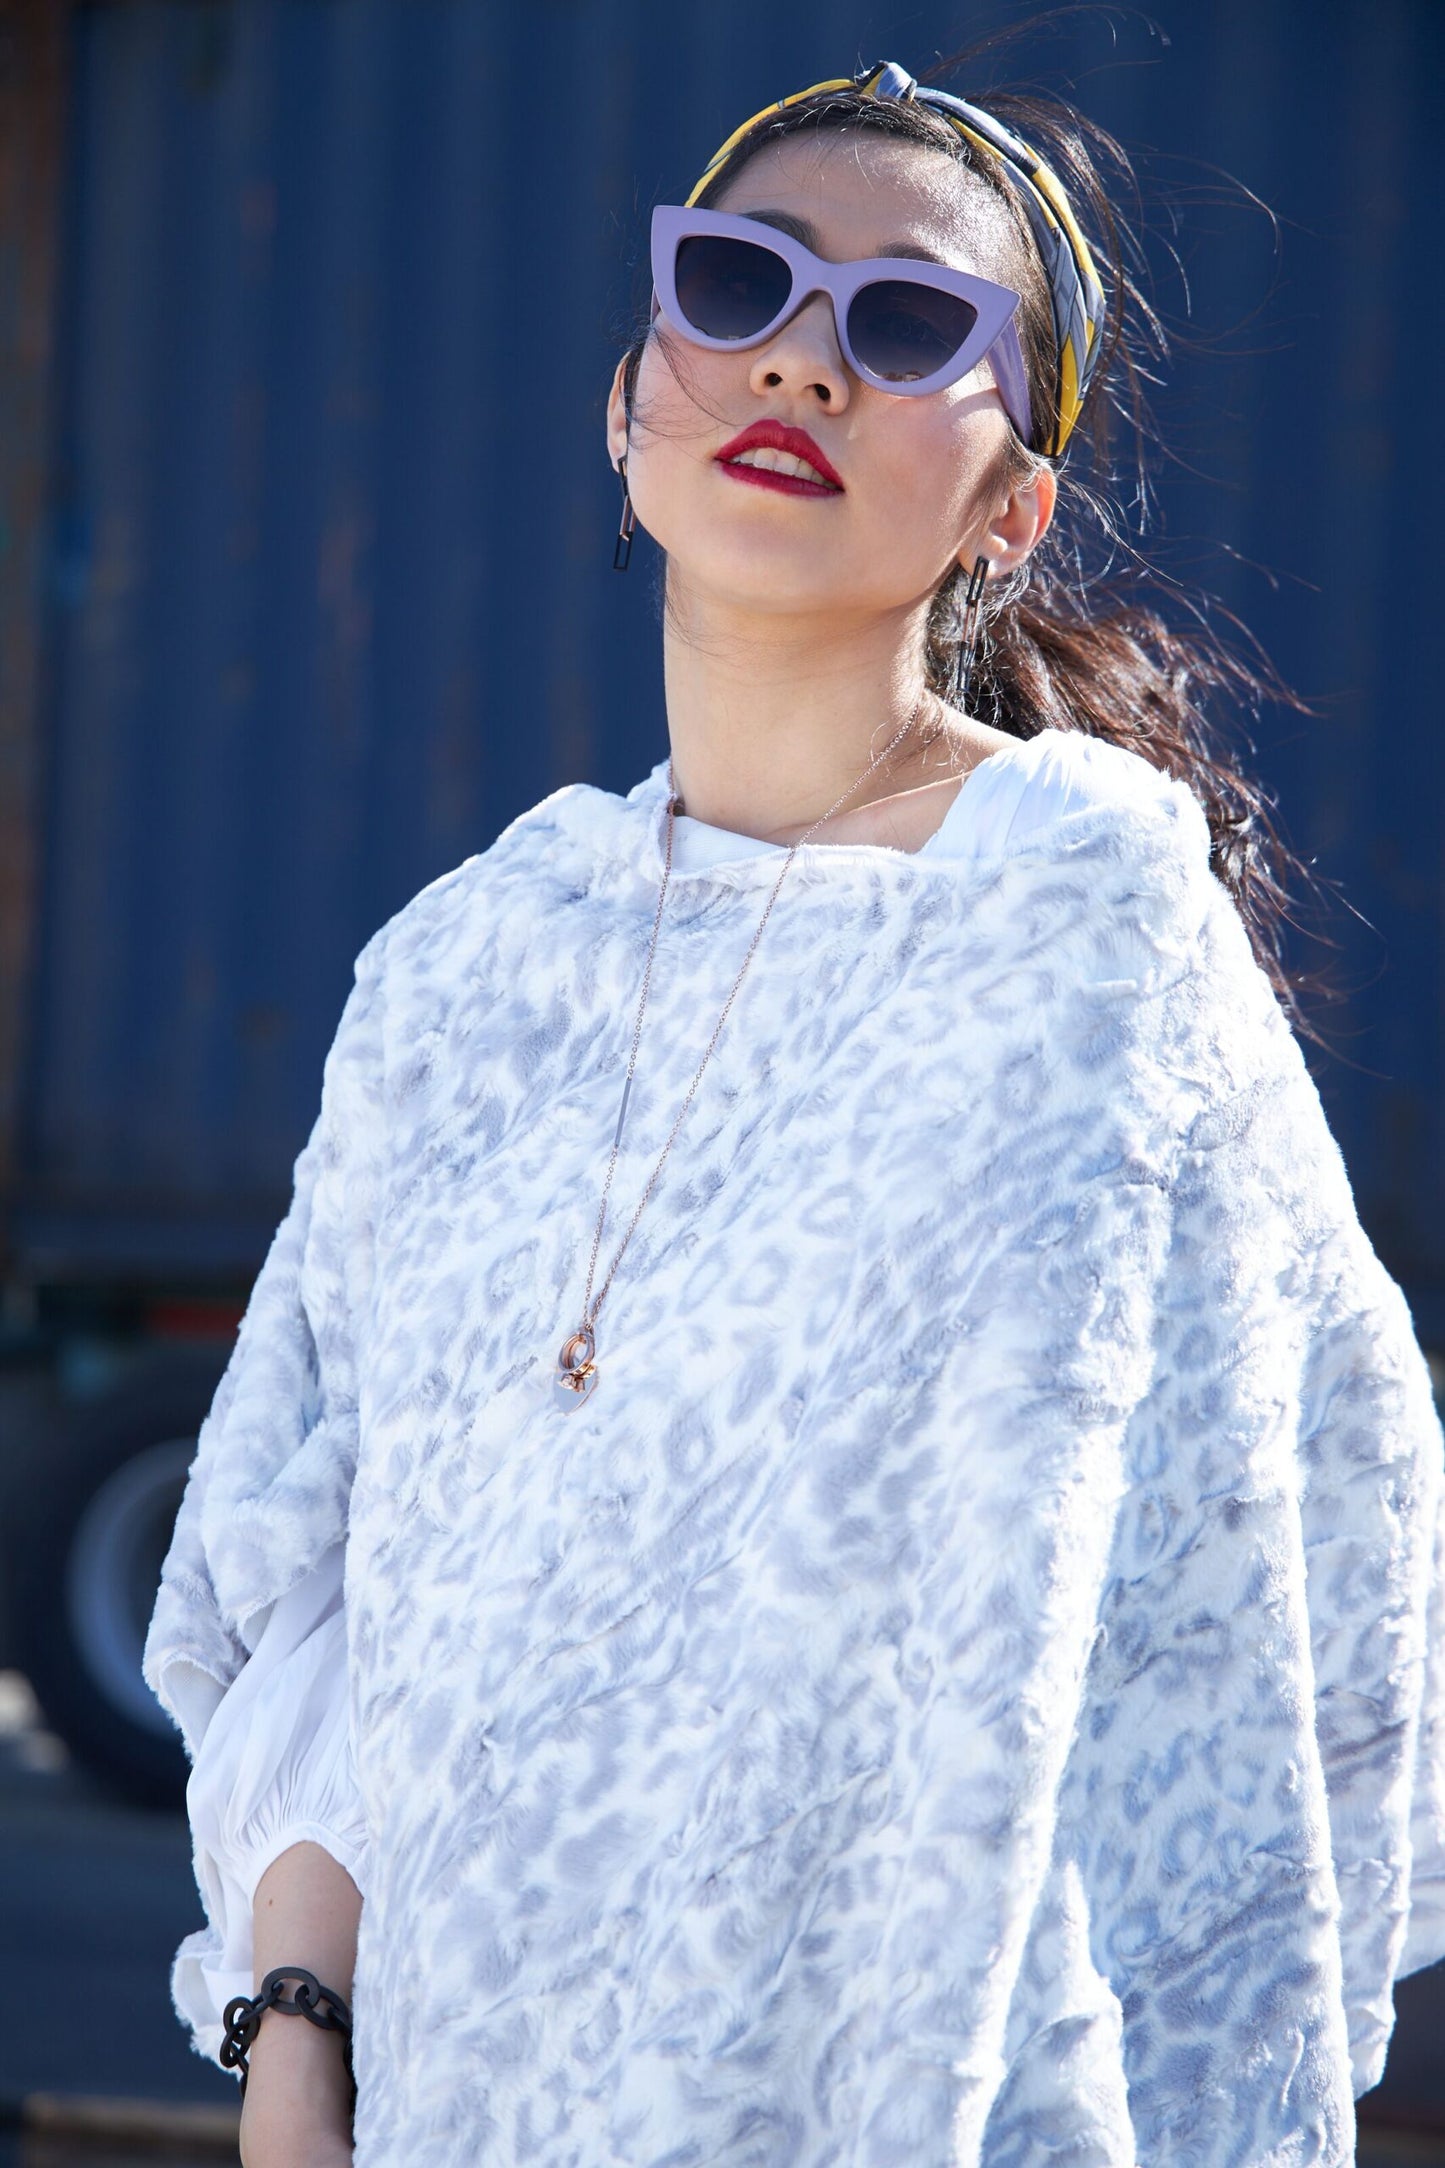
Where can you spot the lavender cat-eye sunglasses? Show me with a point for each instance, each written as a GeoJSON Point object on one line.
{"type": "Point", "coordinates": [904, 325]}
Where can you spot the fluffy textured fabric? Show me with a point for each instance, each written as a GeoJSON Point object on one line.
{"type": "Point", "coordinates": [967, 1685]}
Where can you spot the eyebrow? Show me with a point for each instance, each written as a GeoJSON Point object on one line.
{"type": "Point", "coordinates": [802, 229]}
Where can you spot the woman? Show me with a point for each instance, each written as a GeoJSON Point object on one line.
{"type": "Point", "coordinates": [821, 1500]}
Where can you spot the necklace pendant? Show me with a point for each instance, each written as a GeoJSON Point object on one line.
{"type": "Point", "coordinates": [576, 1374]}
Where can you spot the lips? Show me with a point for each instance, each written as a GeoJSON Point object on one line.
{"type": "Point", "coordinates": [795, 443]}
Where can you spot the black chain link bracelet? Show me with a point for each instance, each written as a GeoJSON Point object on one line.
{"type": "Point", "coordinates": [243, 2014]}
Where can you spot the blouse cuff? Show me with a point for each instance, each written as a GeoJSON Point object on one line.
{"type": "Point", "coordinates": [210, 1969]}
{"type": "Point", "coordinates": [346, 1846]}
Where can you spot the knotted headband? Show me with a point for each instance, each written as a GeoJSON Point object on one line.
{"type": "Point", "coordinates": [1078, 296]}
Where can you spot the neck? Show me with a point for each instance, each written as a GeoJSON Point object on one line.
{"type": "Point", "coordinates": [772, 717]}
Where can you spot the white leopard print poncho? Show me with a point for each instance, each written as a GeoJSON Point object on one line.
{"type": "Point", "coordinates": [967, 1685]}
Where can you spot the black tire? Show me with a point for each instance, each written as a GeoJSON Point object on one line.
{"type": "Point", "coordinates": [86, 1562]}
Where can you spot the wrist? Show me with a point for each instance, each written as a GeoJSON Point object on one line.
{"type": "Point", "coordinates": [297, 2080]}
{"type": "Point", "coordinates": [291, 2048]}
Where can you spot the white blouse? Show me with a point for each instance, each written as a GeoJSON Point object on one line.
{"type": "Point", "coordinates": [275, 1765]}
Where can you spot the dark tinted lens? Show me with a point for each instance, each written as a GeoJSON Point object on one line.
{"type": "Point", "coordinates": [729, 289]}
{"type": "Point", "coordinates": [903, 332]}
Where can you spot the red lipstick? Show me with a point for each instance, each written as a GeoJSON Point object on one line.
{"type": "Point", "coordinates": [779, 437]}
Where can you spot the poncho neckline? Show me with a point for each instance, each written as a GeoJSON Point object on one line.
{"type": "Point", "coordinates": [701, 846]}
{"type": "Point", "coordinates": [627, 834]}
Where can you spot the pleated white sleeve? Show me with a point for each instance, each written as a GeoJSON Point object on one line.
{"type": "Point", "coordinates": [275, 1766]}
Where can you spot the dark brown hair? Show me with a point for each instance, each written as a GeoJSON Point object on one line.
{"type": "Point", "coordinates": [1072, 639]}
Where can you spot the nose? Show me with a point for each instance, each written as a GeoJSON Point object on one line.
{"type": "Point", "coordinates": [804, 355]}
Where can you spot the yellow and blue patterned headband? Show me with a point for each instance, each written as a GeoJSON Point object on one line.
{"type": "Point", "coordinates": [1078, 295]}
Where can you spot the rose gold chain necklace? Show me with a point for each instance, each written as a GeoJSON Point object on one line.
{"type": "Point", "coordinates": [576, 1373]}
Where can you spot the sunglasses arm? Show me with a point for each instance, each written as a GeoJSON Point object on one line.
{"type": "Point", "coordinates": [1005, 358]}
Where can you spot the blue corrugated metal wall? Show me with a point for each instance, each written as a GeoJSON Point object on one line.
{"type": "Point", "coordinates": [332, 596]}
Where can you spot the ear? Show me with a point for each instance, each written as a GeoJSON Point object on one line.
{"type": "Point", "coordinates": [616, 417]}
{"type": "Point", "coordinates": [1017, 525]}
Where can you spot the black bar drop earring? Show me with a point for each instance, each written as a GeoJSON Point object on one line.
{"type": "Point", "coordinates": [622, 548]}
{"type": "Point", "coordinates": [972, 599]}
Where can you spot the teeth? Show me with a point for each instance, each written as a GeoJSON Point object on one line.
{"type": "Point", "coordinates": [763, 455]}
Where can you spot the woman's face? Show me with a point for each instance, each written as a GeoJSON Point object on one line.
{"type": "Point", "coordinates": [919, 491]}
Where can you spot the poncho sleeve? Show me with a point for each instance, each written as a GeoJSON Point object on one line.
{"type": "Point", "coordinates": [1250, 1841]}
{"type": "Point", "coordinates": [268, 1491]}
